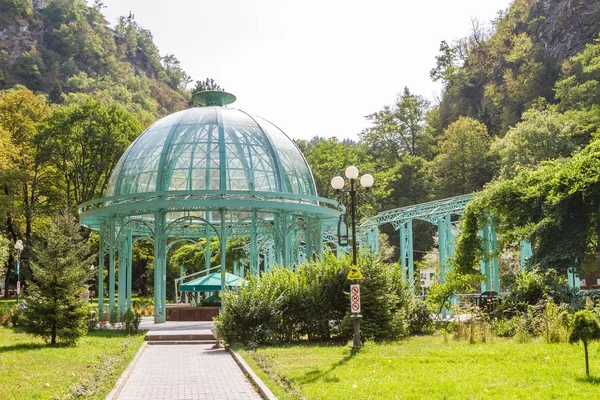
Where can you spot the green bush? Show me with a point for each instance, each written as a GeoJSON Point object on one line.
{"type": "Point", "coordinates": [419, 319]}
{"type": "Point", "coordinates": [313, 303]}
{"type": "Point", "coordinates": [505, 327]}
{"type": "Point", "coordinates": [253, 311]}
{"type": "Point", "coordinates": [383, 294]}
{"type": "Point", "coordinates": [131, 321]}
{"type": "Point", "coordinates": [283, 306]}
{"type": "Point", "coordinates": [530, 287]}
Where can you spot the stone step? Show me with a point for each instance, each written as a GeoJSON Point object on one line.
{"type": "Point", "coordinates": [179, 342]}
{"type": "Point", "coordinates": [177, 336]}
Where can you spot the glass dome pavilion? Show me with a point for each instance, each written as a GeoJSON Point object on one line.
{"type": "Point", "coordinates": [210, 171]}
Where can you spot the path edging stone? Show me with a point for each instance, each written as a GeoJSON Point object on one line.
{"type": "Point", "coordinates": [264, 391]}
{"type": "Point", "coordinates": [125, 375]}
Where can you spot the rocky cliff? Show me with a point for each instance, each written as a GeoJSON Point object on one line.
{"type": "Point", "coordinates": [565, 26]}
{"type": "Point", "coordinates": [17, 37]}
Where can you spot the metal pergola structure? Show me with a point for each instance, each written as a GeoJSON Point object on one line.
{"type": "Point", "coordinates": [202, 173]}
{"type": "Point", "coordinates": [442, 213]}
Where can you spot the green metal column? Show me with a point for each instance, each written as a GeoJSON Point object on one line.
{"type": "Point", "coordinates": [129, 268]}
{"type": "Point", "coordinates": [253, 248]}
{"type": "Point", "coordinates": [442, 247]}
{"type": "Point", "coordinates": [122, 273]}
{"type": "Point", "coordinates": [493, 253]}
{"type": "Point", "coordinates": [485, 262]}
{"type": "Point", "coordinates": [403, 265]}
{"type": "Point", "coordinates": [320, 232]}
{"type": "Point", "coordinates": [160, 267]}
{"type": "Point", "coordinates": [489, 262]}
{"type": "Point", "coordinates": [449, 235]}
{"type": "Point", "coordinates": [111, 266]}
{"type": "Point", "coordinates": [573, 278]}
{"type": "Point", "coordinates": [207, 254]}
{"type": "Point", "coordinates": [284, 241]}
{"type": "Point", "coordinates": [223, 247]}
{"type": "Point", "coordinates": [410, 253]}
{"type": "Point", "coordinates": [376, 238]}
{"type": "Point", "coordinates": [406, 253]}
{"type": "Point", "coordinates": [525, 253]}
{"type": "Point", "coordinates": [278, 246]}
{"type": "Point", "coordinates": [101, 256]}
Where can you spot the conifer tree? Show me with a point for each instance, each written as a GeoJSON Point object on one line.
{"type": "Point", "coordinates": [55, 308]}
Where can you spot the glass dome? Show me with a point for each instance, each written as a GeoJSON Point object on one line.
{"type": "Point", "coordinates": [212, 149]}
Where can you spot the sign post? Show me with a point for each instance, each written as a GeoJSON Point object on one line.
{"type": "Point", "coordinates": [355, 275]}
{"type": "Point", "coordinates": [355, 299]}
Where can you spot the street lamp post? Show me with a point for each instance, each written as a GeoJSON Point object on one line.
{"type": "Point", "coordinates": [19, 248]}
{"type": "Point", "coordinates": [337, 183]}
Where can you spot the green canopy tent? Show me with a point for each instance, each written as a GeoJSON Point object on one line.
{"type": "Point", "coordinates": [211, 282]}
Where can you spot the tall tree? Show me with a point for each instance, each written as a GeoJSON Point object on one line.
{"type": "Point", "coordinates": [84, 142]}
{"type": "Point", "coordinates": [27, 184]}
{"type": "Point", "coordinates": [399, 129]}
{"type": "Point", "coordinates": [543, 135]}
{"type": "Point", "coordinates": [463, 164]}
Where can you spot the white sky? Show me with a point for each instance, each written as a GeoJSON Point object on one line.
{"type": "Point", "coordinates": [310, 67]}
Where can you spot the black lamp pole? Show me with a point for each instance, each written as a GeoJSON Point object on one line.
{"type": "Point", "coordinates": [353, 212]}
{"type": "Point", "coordinates": [337, 183]}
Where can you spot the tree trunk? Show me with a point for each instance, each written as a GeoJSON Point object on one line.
{"type": "Point", "coordinates": [11, 261]}
{"type": "Point", "coordinates": [587, 365]}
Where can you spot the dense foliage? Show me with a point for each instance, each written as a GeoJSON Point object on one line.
{"type": "Point", "coordinates": [313, 303]}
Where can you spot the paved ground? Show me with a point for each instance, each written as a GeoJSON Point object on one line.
{"type": "Point", "coordinates": [188, 371]}
{"type": "Point", "coordinates": [169, 372]}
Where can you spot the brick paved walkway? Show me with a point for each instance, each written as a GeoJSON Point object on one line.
{"type": "Point", "coordinates": [181, 372]}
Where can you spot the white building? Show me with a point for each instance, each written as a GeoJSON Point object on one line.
{"type": "Point", "coordinates": [427, 279]}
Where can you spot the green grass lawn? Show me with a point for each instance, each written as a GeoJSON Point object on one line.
{"type": "Point", "coordinates": [430, 368]}
{"type": "Point", "coordinates": [31, 370]}
{"type": "Point", "coordinates": [7, 303]}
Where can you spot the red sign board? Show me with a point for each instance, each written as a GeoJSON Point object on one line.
{"type": "Point", "coordinates": [355, 298]}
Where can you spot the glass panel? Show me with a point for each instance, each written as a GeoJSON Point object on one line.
{"type": "Point", "coordinates": [187, 160]}
{"type": "Point", "coordinates": [139, 168]}
{"type": "Point", "coordinates": [250, 160]}
{"type": "Point", "coordinates": [298, 177]}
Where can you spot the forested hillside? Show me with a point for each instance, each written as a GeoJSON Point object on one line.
{"type": "Point", "coordinates": [67, 50]}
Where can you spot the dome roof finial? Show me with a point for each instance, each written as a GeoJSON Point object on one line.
{"type": "Point", "coordinates": [207, 98]}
